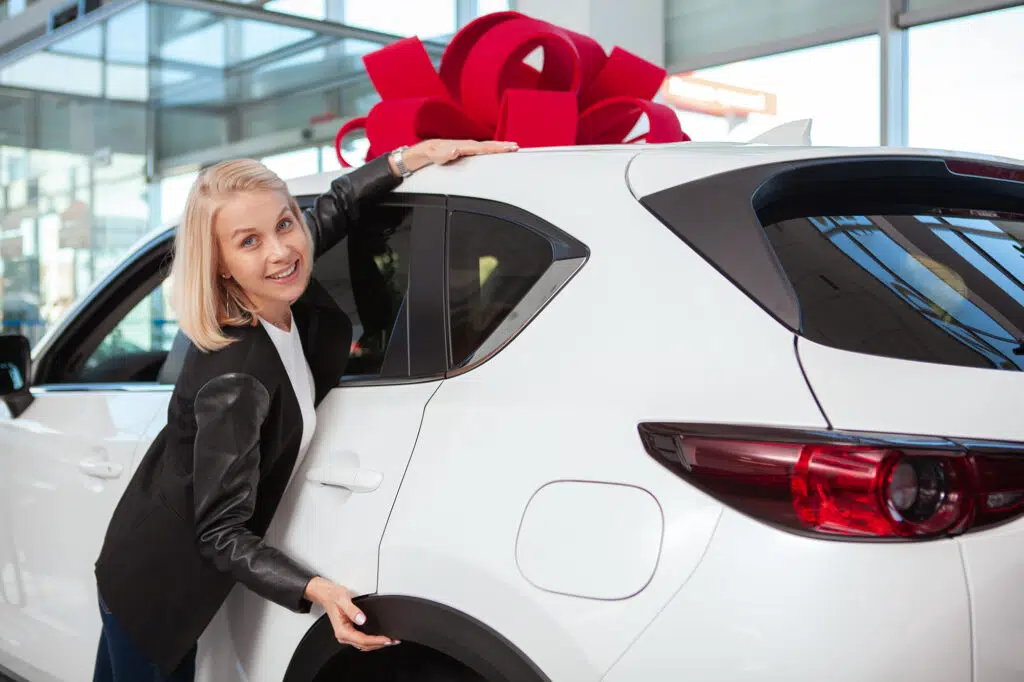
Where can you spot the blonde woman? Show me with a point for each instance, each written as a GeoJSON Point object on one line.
{"type": "Point", "coordinates": [189, 524]}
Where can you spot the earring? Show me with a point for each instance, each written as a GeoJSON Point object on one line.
{"type": "Point", "coordinates": [226, 276]}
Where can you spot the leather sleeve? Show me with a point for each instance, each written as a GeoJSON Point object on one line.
{"type": "Point", "coordinates": [229, 411]}
{"type": "Point", "coordinates": [336, 211]}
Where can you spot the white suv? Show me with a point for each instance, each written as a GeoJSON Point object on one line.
{"type": "Point", "coordinates": [700, 411]}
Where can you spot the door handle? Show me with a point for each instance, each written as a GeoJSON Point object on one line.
{"type": "Point", "coordinates": [350, 478]}
{"type": "Point", "coordinates": [100, 468]}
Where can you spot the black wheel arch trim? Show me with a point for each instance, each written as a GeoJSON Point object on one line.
{"type": "Point", "coordinates": [431, 624]}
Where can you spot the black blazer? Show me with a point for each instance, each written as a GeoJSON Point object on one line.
{"type": "Point", "coordinates": [191, 520]}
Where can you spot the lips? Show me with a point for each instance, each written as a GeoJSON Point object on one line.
{"type": "Point", "coordinates": [285, 275]}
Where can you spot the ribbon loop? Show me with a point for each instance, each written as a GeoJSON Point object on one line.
{"type": "Point", "coordinates": [485, 90]}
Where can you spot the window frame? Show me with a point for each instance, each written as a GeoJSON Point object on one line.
{"type": "Point", "coordinates": [422, 312]}
{"type": "Point", "coordinates": [78, 335]}
{"type": "Point", "coordinates": [420, 352]}
{"type": "Point", "coordinates": [568, 256]}
{"type": "Point", "coordinates": [724, 217]}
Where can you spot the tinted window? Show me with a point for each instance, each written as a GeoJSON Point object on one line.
{"type": "Point", "coordinates": [492, 264]}
{"type": "Point", "coordinates": [938, 286]}
{"type": "Point", "coordinates": [367, 275]}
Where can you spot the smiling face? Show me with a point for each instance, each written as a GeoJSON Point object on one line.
{"type": "Point", "coordinates": [264, 248]}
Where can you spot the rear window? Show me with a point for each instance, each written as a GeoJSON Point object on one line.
{"type": "Point", "coordinates": [937, 285]}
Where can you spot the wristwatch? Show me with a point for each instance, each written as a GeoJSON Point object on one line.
{"type": "Point", "coordinates": [398, 156]}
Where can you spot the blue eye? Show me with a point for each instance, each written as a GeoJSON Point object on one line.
{"type": "Point", "coordinates": [284, 224]}
{"type": "Point", "coordinates": [249, 241]}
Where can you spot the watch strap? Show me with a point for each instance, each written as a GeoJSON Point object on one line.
{"type": "Point", "coordinates": [398, 156]}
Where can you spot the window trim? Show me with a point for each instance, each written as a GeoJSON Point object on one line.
{"type": "Point", "coordinates": [569, 255]}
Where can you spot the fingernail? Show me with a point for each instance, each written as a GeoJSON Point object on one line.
{"type": "Point", "coordinates": [360, 619]}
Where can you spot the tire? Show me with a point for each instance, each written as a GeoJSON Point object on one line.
{"type": "Point", "coordinates": [407, 662]}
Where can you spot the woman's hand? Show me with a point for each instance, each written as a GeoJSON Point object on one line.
{"type": "Point", "coordinates": [446, 151]}
{"type": "Point", "coordinates": [344, 615]}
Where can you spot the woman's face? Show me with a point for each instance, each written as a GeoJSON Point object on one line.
{"type": "Point", "coordinates": [264, 249]}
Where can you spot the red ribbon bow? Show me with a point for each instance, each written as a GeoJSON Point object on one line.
{"type": "Point", "coordinates": [485, 91]}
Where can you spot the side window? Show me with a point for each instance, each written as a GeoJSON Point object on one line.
{"type": "Point", "coordinates": [492, 264]}
{"type": "Point", "coordinates": [367, 275]}
{"type": "Point", "coordinates": [135, 349]}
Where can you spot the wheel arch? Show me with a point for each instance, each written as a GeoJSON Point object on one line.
{"type": "Point", "coordinates": [431, 624]}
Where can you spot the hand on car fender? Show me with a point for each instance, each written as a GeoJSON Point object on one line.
{"type": "Point", "coordinates": [345, 616]}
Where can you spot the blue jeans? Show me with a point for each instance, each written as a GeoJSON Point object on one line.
{"type": "Point", "coordinates": [119, 660]}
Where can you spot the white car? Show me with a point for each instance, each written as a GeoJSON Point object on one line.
{"type": "Point", "coordinates": [688, 412]}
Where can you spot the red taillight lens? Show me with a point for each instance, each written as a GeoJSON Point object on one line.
{"type": "Point", "coordinates": [881, 493]}
{"type": "Point", "coordinates": [848, 489]}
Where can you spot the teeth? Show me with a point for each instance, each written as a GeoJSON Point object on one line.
{"type": "Point", "coordinates": [286, 273]}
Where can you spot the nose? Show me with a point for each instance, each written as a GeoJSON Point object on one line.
{"type": "Point", "coordinates": [279, 249]}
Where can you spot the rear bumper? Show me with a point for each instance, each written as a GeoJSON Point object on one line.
{"type": "Point", "coordinates": [769, 605]}
{"type": "Point", "coordinates": [994, 562]}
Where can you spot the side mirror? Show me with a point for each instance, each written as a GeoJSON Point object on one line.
{"type": "Point", "coordinates": [15, 364]}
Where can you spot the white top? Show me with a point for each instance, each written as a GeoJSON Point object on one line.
{"type": "Point", "coordinates": [289, 347]}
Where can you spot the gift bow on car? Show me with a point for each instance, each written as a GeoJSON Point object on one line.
{"type": "Point", "coordinates": [485, 91]}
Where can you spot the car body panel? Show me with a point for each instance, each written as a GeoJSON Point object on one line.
{"type": "Point", "coordinates": [861, 392]}
{"type": "Point", "coordinates": [770, 606]}
{"type": "Point", "coordinates": [646, 330]}
{"type": "Point", "coordinates": [332, 530]}
{"type": "Point", "coordinates": [51, 497]}
{"type": "Point", "coordinates": [563, 402]}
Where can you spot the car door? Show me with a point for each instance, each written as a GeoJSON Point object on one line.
{"type": "Point", "coordinates": [66, 460]}
{"type": "Point", "coordinates": [389, 279]}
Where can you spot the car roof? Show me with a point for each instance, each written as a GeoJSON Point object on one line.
{"type": "Point", "coordinates": [651, 168]}
{"type": "Point", "coordinates": [647, 168]}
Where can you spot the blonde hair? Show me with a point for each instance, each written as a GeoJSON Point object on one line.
{"type": "Point", "coordinates": [204, 301]}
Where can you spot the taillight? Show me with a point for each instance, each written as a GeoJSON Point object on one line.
{"type": "Point", "coordinates": [846, 485]}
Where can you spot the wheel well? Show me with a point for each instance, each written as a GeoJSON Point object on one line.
{"type": "Point", "coordinates": [425, 623]}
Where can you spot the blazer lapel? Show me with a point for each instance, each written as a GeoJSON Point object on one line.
{"type": "Point", "coordinates": [326, 334]}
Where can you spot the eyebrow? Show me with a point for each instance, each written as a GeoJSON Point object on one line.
{"type": "Point", "coordinates": [245, 228]}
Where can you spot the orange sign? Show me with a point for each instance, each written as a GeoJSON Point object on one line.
{"type": "Point", "coordinates": [690, 93]}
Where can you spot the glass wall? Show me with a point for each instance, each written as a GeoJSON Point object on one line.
{"type": "Point", "coordinates": [967, 84]}
{"type": "Point", "coordinates": [836, 85]}
{"type": "Point", "coordinates": [103, 129]}
{"type": "Point", "coordinates": [426, 19]}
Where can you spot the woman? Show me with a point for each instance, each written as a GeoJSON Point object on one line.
{"type": "Point", "coordinates": [264, 354]}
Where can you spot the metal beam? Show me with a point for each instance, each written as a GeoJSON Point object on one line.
{"type": "Point", "coordinates": [77, 26]}
{"type": "Point", "coordinates": [222, 9]}
{"type": "Point", "coordinates": [325, 27]}
{"type": "Point", "coordinates": [823, 37]}
{"type": "Point", "coordinates": [20, 28]}
{"type": "Point", "coordinates": [282, 141]}
{"type": "Point", "coordinates": [952, 10]}
{"type": "Point", "coordinates": [894, 76]}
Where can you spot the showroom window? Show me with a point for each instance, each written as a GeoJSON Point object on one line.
{"type": "Point", "coordinates": [836, 85]}
{"type": "Point", "coordinates": [965, 84]}
{"type": "Point", "coordinates": [492, 264]}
